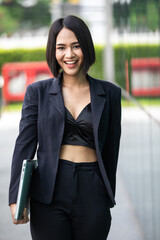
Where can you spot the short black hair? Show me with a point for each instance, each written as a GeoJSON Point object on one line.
{"type": "Point", "coordinates": [83, 35]}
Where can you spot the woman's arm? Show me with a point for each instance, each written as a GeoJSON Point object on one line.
{"type": "Point", "coordinates": [26, 143]}
{"type": "Point", "coordinates": [111, 147]}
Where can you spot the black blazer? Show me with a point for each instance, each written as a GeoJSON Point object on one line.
{"type": "Point", "coordinates": [42, 127]}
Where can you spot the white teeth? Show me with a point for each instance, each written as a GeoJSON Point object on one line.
{"type": "Point", "coordinates": [71, 62]}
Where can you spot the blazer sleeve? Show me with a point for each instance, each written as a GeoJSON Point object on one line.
{"type": "Point", "coordinates": [26, 142]}
{"type": "Point", "coordinates": [111, 147]}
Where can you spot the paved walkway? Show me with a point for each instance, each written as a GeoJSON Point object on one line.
{"type": "Point", "coordinates": [124, 223]}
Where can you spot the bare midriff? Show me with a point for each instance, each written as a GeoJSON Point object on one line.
{"type": "Point", "coordinates": [77, 153]}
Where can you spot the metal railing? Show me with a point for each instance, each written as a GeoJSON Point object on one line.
{"type": "Point", "coordinates": [139, 163]}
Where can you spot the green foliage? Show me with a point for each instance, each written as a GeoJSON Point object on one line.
{"type": "Point", "coordinates": [121, 14]}
{"type": "Point", "coordinates": [37, 15]}
{"type": "Point", "coordinates": [21, 55]}
{"type": "Point", "coordinates": [122, 53]}
{"type": "Point", "coordinates": [153, 17]}
{"type": "Point", "coordinates": [144, 15]}
{"type": "Point", "coordinates": [137, 15]}
{"type": "Point", "coordinates": [7, 21]}
{"type": "Point", "coordinates": [97, 69]}
{"type": "Point", "coordinates": [15, 17]}
{"type": "Point", "coordinates": [12, 107]}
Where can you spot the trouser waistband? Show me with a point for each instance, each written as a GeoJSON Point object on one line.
{"type": "Point", "coordinates": [85, 165]}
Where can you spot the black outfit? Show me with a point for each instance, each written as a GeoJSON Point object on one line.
{"type": "Point", "coordinates": [79, 131]}
{"type": "Point", "coordinates": [79, 209]}
{"type": "Point", "coordinates": [43, 124]}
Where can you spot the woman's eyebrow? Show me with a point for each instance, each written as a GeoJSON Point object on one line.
{"type": "Point", "coordinates": [62, 44]}
{"type": "Point", "coordinates": [75, 43]}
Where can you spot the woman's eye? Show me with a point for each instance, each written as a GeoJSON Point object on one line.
{"type": "Point", "coordinates": [60, 48]}
{"type": "Point", "coordinates": [77, 46]}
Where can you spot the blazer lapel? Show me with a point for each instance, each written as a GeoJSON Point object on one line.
{"type": "Point", "coordinates": [56, 97]}
{"type": "Point", "coordinates": [98, 98]}
{"type": "Point", "coordinates": [98, 101]}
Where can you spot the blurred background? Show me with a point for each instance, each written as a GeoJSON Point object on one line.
{"type": "Point", "coordinates": [126, 34]}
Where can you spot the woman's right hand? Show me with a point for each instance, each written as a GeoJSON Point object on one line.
{"type": "Point", "coordinates": [25, 218]}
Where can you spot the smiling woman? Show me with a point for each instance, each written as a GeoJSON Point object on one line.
{"type": "Point", "coordinates": [82, 36]}
{"type": "Point", "coordinates": [68, 53]}
{"type": "Point", "coordinates": [74, 119]}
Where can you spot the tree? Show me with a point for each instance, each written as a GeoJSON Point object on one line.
{"type": "Point", "coordinates": [15, 17]}
{"type": "Point", "coordinates": [38, 15]}
{"type": "Point", "coordinates": [139, 15]}
{"type": "Point", "coordinates": [10, 15]}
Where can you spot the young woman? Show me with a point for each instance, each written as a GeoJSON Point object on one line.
{"type": "Point", "coordinates": [74, 122]}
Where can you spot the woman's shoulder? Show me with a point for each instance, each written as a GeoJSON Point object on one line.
{"type": "Point", "coordinates": [107, 85]}
{"type": "Point", "coordinates": [108, 88]}
{"type": "Point", "coordinates": [41, 84]}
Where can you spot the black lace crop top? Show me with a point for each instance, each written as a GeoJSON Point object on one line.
{"type": "Point", "coordinates": [79, 131]}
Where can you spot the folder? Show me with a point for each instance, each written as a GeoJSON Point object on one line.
{"type": "Point", "coordinates": [28, 168]}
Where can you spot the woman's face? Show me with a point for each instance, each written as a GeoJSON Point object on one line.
{"type": "Point", "coordinates": [69, 55]}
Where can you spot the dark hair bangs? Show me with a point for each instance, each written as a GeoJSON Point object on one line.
{"type": "Point", "coordinates": [56, 27]}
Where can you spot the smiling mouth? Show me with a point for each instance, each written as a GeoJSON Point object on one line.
{"type": "Point", "coordinates": [71, 62]}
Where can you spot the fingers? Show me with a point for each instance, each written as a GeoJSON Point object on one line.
{"type": "Point", "coordinates": [25, 216]}
{"type": "Point", "coordinates": [24, 219]}
{"type": "Point", "coordinates": [15, 221]}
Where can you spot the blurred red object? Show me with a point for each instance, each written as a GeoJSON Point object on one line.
{"type": "Point", "coordinates": [17, 76]}
{"type": "Point", "coordinates": [145, 77]}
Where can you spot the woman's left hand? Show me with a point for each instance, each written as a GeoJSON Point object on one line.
{"type": "Point", "coordinates": [24, 219]}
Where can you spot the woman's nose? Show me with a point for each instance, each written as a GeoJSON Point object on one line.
{"type": "Point", "coordinates": [69, 52]}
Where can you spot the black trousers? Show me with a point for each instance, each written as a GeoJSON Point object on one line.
{"type": "Point", "coordinates": [80, 207]}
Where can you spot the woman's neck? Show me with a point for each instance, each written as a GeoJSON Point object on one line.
{"type": "Point", "coordinates": [74, 81]}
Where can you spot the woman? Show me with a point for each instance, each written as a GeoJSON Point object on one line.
{"type": "Point", "coordinates": [75, 121]}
